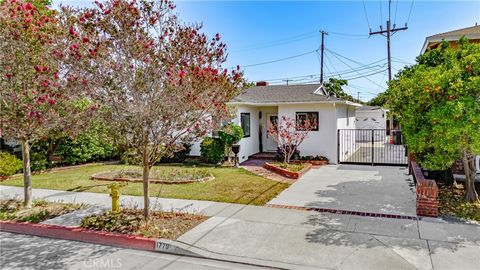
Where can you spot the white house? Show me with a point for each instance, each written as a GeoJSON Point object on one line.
{"type": "Point", "coordinates": [262, 105]}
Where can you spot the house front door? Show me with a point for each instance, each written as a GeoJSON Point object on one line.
{"type": "Point", "coordinates": [271, 144]}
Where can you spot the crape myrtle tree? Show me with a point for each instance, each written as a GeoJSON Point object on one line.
{"type": "Point", "coordinates": [290, 134]}
{"type": "Point", "coordinates": [160, 83]}
{"type": "Point", "coordinates": [437, 102]}
{"type": "Point", "coordinates": [37, 65]}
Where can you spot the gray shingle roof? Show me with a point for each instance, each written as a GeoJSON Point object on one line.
{"type": "Point", "coordinates": [283, 94]}
{"type": "Point", "coordinates": [474, 30]}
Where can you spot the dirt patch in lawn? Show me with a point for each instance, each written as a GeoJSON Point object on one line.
{"type": "Point", "coordinates": [175, 176]}
{"type": "Point", "coordinates": [41, 210]}
{"type": "Point", "coordinates": [452, 203]}
{"type": "Point", "coordinates": [130, 221]}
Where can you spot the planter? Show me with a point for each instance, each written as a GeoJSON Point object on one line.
{"type": "Point", "coordinates": [312, 161]}
{"type": "Point", "coordinates": [287, 173]}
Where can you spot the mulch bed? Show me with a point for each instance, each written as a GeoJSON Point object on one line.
{"type": "Point", "coordinates": [130, 221]}
{"type": "Point", "coordinates": [14, 210]}
{"type": "Point", "coordinates": [452, 203]}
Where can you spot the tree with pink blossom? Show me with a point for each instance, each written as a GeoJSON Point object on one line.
{"type": "Point", "coordinates": [38, 94]}
{"type": "Point", "coordinates": [290, 134]}
{"type": "Point", "coordinates": [160, 82]}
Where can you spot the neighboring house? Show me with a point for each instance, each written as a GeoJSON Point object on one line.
{"type": "Point", "coordinates": [432, 42]}
{"type": "Point", "coordinates": [370, 117]}
{"type": "Point", "coordinates": [262, 105]}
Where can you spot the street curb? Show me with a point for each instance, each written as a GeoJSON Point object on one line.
{"type": "Point", "coordinates": [95, 237]}
{"type": "Point", "coordinates": [132, 242]}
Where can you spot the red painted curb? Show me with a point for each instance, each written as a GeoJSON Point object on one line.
{"type": "Point", "coordinates": [79, 234]}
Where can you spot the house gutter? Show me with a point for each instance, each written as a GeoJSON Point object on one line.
{"type": "Point", "coordinates": [296, 102]}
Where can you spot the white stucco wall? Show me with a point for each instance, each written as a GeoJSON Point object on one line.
{"type": "Point", "coordinates": [373, 119]}
{"type": "Point", "coordinates": [345, 120]}
{"type": "Point", "coordinates": [248, 145]}
{"type": "Point", "coordinates": [323, 141]}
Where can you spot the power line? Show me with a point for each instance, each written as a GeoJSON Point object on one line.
{"type": "Point", "coordinates": [388, 33]}
{"type": "Point", "coordinates": [353, 68]}
{"type": "Point", "coordinates": [366, 15]}
{"type": "Point", "coordinates": [277, 42]}
{"type": "Point", "coordinates": [279, 60]}
{"type": "Point", "coordinates": [410, 12]}
{"type": "Point", "coordinates": [395, 18]}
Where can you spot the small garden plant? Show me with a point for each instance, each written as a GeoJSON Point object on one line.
{"type": "Point", "coordinates": [288, 166]}
{"type": "Point", "coordinates": [9, 165]}
{"type": "Point", "coordinates": [41, 210]}
{"type": "Point", "coordinates": [130, 221]}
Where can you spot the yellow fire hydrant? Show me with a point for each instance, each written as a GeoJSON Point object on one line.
{"type": "Point", "coordinates": [115, 194]}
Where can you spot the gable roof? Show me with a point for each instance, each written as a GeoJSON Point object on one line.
{"type": "Point", "coordinates": [275, 94]}
{"type": "Point", "coordinates": [371, 108]}
{"type": "Point", "coordinates": [472, 32]}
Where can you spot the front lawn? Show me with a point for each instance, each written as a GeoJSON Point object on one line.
{"type": "Point", "coordinates": [232, 185]}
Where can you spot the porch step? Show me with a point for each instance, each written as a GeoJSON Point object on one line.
{"type": "Point", "coordinates": [263, 155]}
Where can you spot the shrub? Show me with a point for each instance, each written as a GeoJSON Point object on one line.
{"type": "Point", "coordinates": [38, 161]}
{"type": "Point", "coordinates": [9, 164]}
{"type": "Point", "coordinates": [212, 150]}
{"type": "Point", "coordinates": [178, 156]}
{"type": "Point", "coordinates": [230, 134]}
{"type": "Point", "coordinates": [92, 145]}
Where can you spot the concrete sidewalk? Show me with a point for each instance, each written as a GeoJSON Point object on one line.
{"type": "Point", "coordinates": [297, 239]}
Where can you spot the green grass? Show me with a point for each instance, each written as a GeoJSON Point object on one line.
{"type": "Point", "coordinates": [232, 185]}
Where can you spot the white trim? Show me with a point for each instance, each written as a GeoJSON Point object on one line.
{"type": "Point", "coordinates": [429, 40]}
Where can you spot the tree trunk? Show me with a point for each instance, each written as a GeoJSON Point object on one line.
{"type": "Point", "coordinates": [146, 174]}
{"type": "Point", "coordinates": [469, 169]}
{"type": "Point", "coordinates": [27, 183]}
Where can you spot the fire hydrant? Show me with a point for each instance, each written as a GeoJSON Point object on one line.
{"type": "Point", "coordinates": [115, 194]}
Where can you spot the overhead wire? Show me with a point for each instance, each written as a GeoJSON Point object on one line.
{"type": "Point", "coordinates": [366, 14]}
{"type": "Point", "coordinates": [340, 59]}
{"type": "Point", "coordinates": [278, 60]}
{"type": "Point", "coordinates": [410, 12]}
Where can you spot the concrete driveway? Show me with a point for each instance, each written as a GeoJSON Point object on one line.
{"type": "Point", "coordinates": [380, 189]}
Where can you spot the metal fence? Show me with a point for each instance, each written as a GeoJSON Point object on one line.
{"type": "Point", "coordinates": [371, 146]}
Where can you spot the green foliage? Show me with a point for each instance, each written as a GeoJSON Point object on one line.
{"type": "Point", "coordinates": [289, 166]}
{"type": "Point", "coordinates": [39, 161]}
{"type": "Point", "coordinates": [230, 134]}
{"type": "Point", "coordinates": [334, 88]}
{"type": "Point", "coordinates": [437, 102]}
{"type": "Point", "coordinates": [177, 156]}
{"type": "Point", "coordinates": [212, 150]}
{"type": "Point", "coordinates": [9, 164]}
{"type": "Point", "coordinates": [380, 100]}
{"type": "Point", "coordinates": [91, 145]}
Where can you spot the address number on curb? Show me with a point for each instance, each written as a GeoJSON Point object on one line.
{"type": "Point", "coordinates": [161, 246]}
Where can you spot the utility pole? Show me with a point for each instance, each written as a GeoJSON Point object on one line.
{"type": "Point", "coordinates": [388, 33]}
{"type": "Point", "coordinates": [321, 56]}
{"type": "Point", "coordinates": [358, 96]}
{"type": "Point", "coordinates": [287, 80]}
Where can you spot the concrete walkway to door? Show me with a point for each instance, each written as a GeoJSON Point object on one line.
{"type": "Point", "coordinates": [387, 190]}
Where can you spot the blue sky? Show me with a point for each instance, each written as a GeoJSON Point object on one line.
{"type": "Point", "coordinates": [263, 31]}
